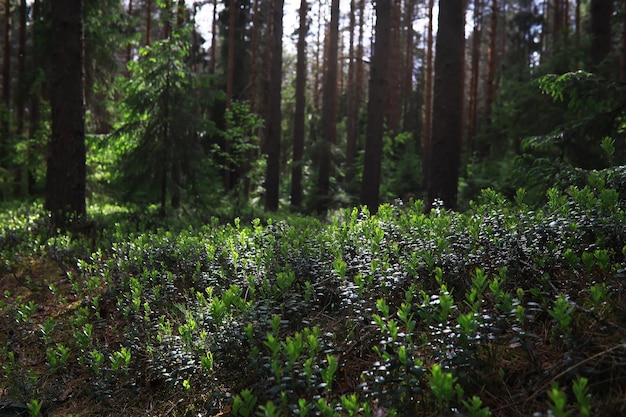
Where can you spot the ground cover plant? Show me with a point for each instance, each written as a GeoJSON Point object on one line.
{"type": "Point", "coordinates": [503, 310]}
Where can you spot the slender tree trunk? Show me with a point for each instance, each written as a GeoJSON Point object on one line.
{"type": "Point", "coordinates": [230, 79]}
{"type": "Point", "coordinates": [577, 33]}
{"type": "Point", "coordinates": [428, 96]}
{"type": "Point", "coordinates": [359, 77]}
{"type": "Point", "coordinates": [177, 181]}
{"type": "Point", "coordinates": [351, 108]}
{"type": "Point", "coordinates": [166, 17]}
{"type": "Point", "coordinates": [35, 93]}
{"type": "Point", "coordinates": [272, 177]}
{"type": "Point", "coordinates": [408, 124]}
{"type": "Point", "coordinates": [22, 171]}
{"type": "Point", "coordinates": [370, 184]}
{"type": "Point", "coordinates": [6, 72]}
{"type": "Point", "coordinates": [394, 68]}
{"type": "Point", "coordinates": [213, 39]}
{"type": "Point", "coordinates": [129, 45]}
{"type": "Point", "coordinates": [256, 21]}
{"type": "Point", "coordinates": [474, 75]}
{"type": "Point", "coordinates": [445, 151]}
{"type": "Point", "coordinates": [317, 70]}
{"type": "Point", "coordinates": [329, 111]}
{"type": "Point", "coordinates": [298, 117]}
{"type": "Point", "coordinates": [491, 60]}
{"type": "Point", "coordinates": [623, 48]}
{"type": "Point", "coordinates": [66, 172]}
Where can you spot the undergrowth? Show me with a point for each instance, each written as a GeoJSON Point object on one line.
{"type": "Point", "coordinates": [501, 311]}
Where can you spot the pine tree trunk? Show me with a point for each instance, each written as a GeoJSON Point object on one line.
{"type": "Point", "coordinates": [129, 46]}
{"type": "Point", "coordinates": [272, 177]}
{"type": "Point", "coordinates": [491, 60]}
{"type": "Point", "coordinates": [66, 172]}
{"type": "Point", "coordinates": [298, 117]}
{"type": "Point", "coordinates": [213, 39]}
{"type": "Point", "coordinates": [601, 12]}
{"type": "Point", "coordinates": [370, 184]}
{"type": "Point", "coordinates": [445, 149]}
{"type": "Point", "coordinates": [392, 109]}
{"type": "Point", "coordinates": [474, 75]}
{"type": "Point", "coordinates": [623, 47]}
{"type": "Point", "coordinates": [6, 72]}
{"type": "Point", "coordinates": [329, 111]}
{"type": "Point", "coordinates": [408, 122]}
{"type": "Point", "coordinates": [351, 109]}
{"type": "Point", "coordinates": [428, 96]}
{"type": "Point", "coordinates": [22, 171]}
{"type": "Point", "coordinates": [230, 83]}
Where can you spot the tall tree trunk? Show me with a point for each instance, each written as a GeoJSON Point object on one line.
{"type": "Point", "coordinates": [445, 151]}
{"type": "Point", "coordinates": [329, 111]}
{"type": "Point", "coordinates": [601, 11]}
{"type": "Point", "coordinates": [66, 172]}
{"type": "Point", "coordinates": [392, 109]}
{"type": "Point", "coordinates": [298, 117]}
{"type": "Point", "coordinates": [35, 93]}
{"type": "Point", "coordinates": [577, 33]}
{"type": "Point", "coordinates": [491, 60]}
{"type": "Point", "coordinates": [623, 48]}
{"type": "Point", "coordinates": [6, 72]}
{"type": "Point", "coordinates": [351, 108]}
{"type": "Point", "coordinates": [408, 123]}
{"type": "Point", "coordinates": [230, 79]}
{"type": "Point", "coordinates": [272, 177]}
{"type": "Point", "coordinates": [474, 75]}
{"type": "Point", "coordinates": [317, 68]}
{"type": "Point", "coordinates": [370, 184]}
{"type": "Point", "coordinates": [359, 76]}
{"type": "Point", "coordinates": [256, 22]}
{"type": "Point", "coordinates": [213, 39]}
{"type": "Point", "coordinates": [428, 96]}
{"type": "Point", "coordinates": [129, 45]}
{"type": "Point", "coordinates": [22, 93]}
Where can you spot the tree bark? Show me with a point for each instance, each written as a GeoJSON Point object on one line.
{"type": "Point", "coordinates": [66, 172]}
{"type": "Point", "coordinates": [474, 75]}
{"type": "Point", "coordinates": [445, 151]}
{"type": "Point", "coordinates": [408, 122]}
{"type": "Point", "coordinates": [272, 177]}
{"type": "Point", "coordinates": [428, 96]}
{"type": "Point", "coordinates": [329, 111]}
{"type": "Point", "coordinates": [20, 99]}
{"type": "Point", "coordinates": [213, 39]}
{"type": "Point", "coordinates": [6, 72]}
{"type": "Point", "coordinates": [394, 74]}
{"type": "Point", "coordinates": [298, 117]}
{"type": "Point", "coordinates": [601, 11]}
{"type": "Point", "coordinates": [491, 60]}
{"type": "Point", "coordinates": [352, 111]}
{"type": "Point", "coordinates": [370, 184]}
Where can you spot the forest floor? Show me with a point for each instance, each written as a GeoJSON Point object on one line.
{"type": "Point", "coordinates": [492, 312]}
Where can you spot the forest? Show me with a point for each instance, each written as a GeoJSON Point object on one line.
{"type": "Point", "coordinates": [313, 208]}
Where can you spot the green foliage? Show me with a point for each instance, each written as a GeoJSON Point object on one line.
{"type": "Point", "coordinates": [163, 137]}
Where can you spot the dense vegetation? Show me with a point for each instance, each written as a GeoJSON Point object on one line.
{"type": "Point", "coordinates": [502, 310]}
